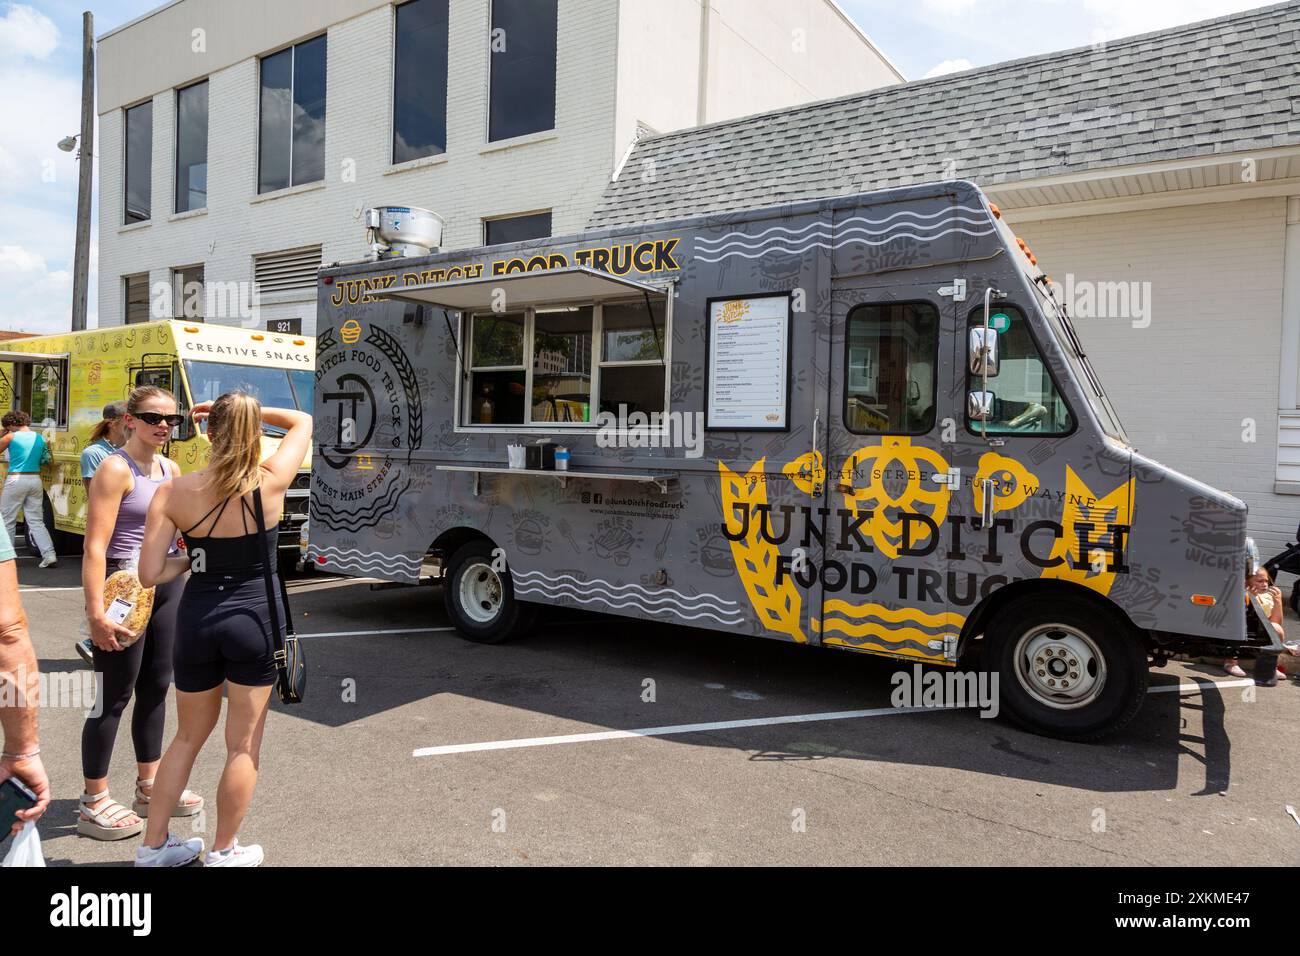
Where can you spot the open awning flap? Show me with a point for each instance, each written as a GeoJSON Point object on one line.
{"type": "Point", "coordinates": [522, 289]}
{"type": "Point", "coordinates": [31, 358]}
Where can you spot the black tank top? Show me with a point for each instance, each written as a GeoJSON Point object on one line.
{"type": "Point", "coordinates": [231, 557]}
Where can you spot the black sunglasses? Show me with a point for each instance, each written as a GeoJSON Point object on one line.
{"type": "Point", "coordinates": [153, 418]}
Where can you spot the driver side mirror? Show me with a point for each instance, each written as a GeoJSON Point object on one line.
{"type": "Point", "coordinates": [984, 352]}
{"type": "Point", "coordinates": [979, 406]}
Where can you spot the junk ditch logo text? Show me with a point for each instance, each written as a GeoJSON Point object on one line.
{"type": "Point", "coordinates": [372, 424]}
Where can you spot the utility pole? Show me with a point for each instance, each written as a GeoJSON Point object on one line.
{"type": "Point", "coordinates": [86, 158]}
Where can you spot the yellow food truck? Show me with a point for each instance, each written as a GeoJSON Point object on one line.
{"type": "Point", "coordinates": [64, 381]}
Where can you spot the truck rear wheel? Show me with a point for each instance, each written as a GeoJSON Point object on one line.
{"type": "Point", "coordinates": [480, 600]}
{"type": "Point", "coordinates": [1066, 668]}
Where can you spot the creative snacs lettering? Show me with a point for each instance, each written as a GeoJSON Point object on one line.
{"type": "Point", "coordinates": [641, 258]}
{"type": "Point", "coordinates": [843, 531]}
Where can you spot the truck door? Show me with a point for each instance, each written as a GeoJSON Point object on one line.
{"type": "Point", "coordinates": [888, 491]}
{"type": "Point", "coordinates": [1026, 471]}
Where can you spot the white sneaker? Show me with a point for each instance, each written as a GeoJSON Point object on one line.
{"type": "Point", "coordinates": [236, 856]}
{"type": "Point", "coordinates": [49, 561]}
{"type": "Point", "coordinates": [174, 852]}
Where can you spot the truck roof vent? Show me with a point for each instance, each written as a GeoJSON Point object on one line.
{"type": "Point", "coordinates": [394, 232]}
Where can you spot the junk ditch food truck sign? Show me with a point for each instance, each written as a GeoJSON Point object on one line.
{"type": "Point", "coordinates": [862, 423]}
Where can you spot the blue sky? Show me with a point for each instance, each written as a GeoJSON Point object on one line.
{"type": "Point", "coordinates": [40, 70]}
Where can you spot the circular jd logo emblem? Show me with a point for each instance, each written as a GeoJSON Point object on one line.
{"type": "Point", "coordinates": [370, 391]}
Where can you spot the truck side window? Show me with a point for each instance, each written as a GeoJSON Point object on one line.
{"type": "Point", "coordinates": [1025, 397]}
{"type": "Point", "coordinates": [889, 375]}
{"type": "Point", "coordinates": [631, 358]}
{"type": "Point", "coordinates": [496, 362]}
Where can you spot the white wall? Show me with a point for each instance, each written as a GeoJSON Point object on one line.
{"type": "Point", "coordinates": [753, 56]}
{"type": "Point", "coordinates": [1210, 358]}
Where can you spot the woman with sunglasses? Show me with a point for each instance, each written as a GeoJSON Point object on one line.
{"type": "Point", "coordinates": [124, 486]}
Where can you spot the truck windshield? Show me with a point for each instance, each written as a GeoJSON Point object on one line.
{"type": "Point", "coordinates": [1090, 385]}
{"type": "Point", "coordinates": [270, 386]}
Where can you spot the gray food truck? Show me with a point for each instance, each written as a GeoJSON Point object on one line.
{"type": "Point", "coordinates": [864, 423]}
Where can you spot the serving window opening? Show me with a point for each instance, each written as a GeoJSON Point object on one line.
{"type": "Point", "coordinates": [562, 365]}
{"type": "Point", "coordinates": [37, 385]}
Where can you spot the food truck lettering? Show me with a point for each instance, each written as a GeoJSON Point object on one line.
{"type": "Point", "coordinates": [1087, 544]}
{"type": "Point", "coordinates": [642, 258]}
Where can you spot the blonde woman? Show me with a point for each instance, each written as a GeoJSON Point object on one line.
{"type": "Point", "coordinates": [225, 644]}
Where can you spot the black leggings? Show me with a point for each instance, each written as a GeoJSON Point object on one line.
{"type": "Point", "coordinates": [145, 668]}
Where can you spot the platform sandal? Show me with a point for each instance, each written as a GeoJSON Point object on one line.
{"type": "Point", "coordinates": [100, 823]}
{"type": "Point", "coordinates": [182, 809]}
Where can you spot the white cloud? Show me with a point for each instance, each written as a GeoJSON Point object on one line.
{"type": "Point", "coordinates": [37, 299]}
{"type": "Point", "coordinates": [947, 66]}
{"type": "Point", "coordinates": [26, 32]}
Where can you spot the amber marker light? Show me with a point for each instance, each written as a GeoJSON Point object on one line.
{"type": "Point", "coordinates": [1205, 600]}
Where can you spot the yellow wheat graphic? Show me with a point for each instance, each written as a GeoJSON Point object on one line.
{"type": "Point", "coordinates": [778, 606]}
{"type": "Point", "coordinates": [1115, 508]}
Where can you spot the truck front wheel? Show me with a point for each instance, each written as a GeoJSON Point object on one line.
{"type": "Point", "coordinates": [479, 596]}
{"type": "Point", "coordinates": [1065, 667]}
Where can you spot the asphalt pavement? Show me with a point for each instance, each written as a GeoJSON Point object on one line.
{"type": "Point", "coordinates": [417, 747]}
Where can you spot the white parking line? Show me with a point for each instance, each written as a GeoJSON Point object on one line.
{"type": "Point", "coordinates": [399, 630]}
{"type": "Point", "coordinates": [675, 729]}
{"type": "Point", "coordinates": [37, 590]}
{"type": "Point", "coordinates": [671, 730]}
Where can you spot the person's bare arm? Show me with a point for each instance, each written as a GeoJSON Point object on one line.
{"type": "Point", "coordinates": [19, 670]}
{"type": "Point", "coordinates": [159, 533]}
{"type": "Point", "coordinates": [282, 467]}
{"type": "Point", "coordinates": [112, 481]}
{"type": "Point", "coordinates": [5, 439]}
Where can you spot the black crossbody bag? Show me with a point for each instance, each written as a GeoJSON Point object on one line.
{"type": "Point", "coordinates": [290, 664]}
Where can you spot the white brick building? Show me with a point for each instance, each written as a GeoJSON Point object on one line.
{"type": "Point", "coordinates": [619, 67]}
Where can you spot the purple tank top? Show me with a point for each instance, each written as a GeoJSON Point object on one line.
{"type": "Point", "coordinates": [128, 533]}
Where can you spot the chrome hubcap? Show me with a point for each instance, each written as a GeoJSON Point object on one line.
{"type": "Point", "coordinates": [481, 593]}
{"type": "Point", "coordinates": [1060, 666]}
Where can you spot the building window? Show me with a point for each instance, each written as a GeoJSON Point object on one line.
{"type": "Point", "coordinates": [560, 365]}
{"type": "Point", "coordinates": [890, 356]}
{"type": "Point", "coordinates": [138, 185]}
{"type": "Point", "coordinates": [291, 140]}
{"type": "Point", "coordinates": [135, 293]}
{"type": "Point", "coordinates": [522, 80]}
{"type": "Point", "coordinates": [420, 80]}
{"type": "Point", "coordinates": [188, 293]}
{"type": "Point", "coordinates": [192, 147]}
{"type": "Point", "coordinates": [516, 228]}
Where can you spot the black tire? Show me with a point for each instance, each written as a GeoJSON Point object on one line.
{"type": "Point", "coordinates": [1112, 687]}
{"type": "Point", "coordinates": [495, 616]}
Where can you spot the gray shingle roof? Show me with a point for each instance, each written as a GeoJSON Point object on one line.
{"type": "Point", "coordinates": [1220, 86]}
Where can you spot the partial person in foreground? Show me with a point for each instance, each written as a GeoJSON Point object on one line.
{"type": "Point", "coordinates": [23, 489]}
{"type": "Point", "coordinates": [19, 693]}
{"type": "Point", "coordinates": [123, 487]}
{"type": "Point", "coordinates": [226, 644]}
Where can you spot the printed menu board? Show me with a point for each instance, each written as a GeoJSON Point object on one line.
{"type": "Point", "coordinates": [749, 353]}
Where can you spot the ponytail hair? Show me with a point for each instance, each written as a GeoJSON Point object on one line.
{"type": "Point", "coordinates": [235, 431]}
{"type": "Point", "coordinates": [101, 430]}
